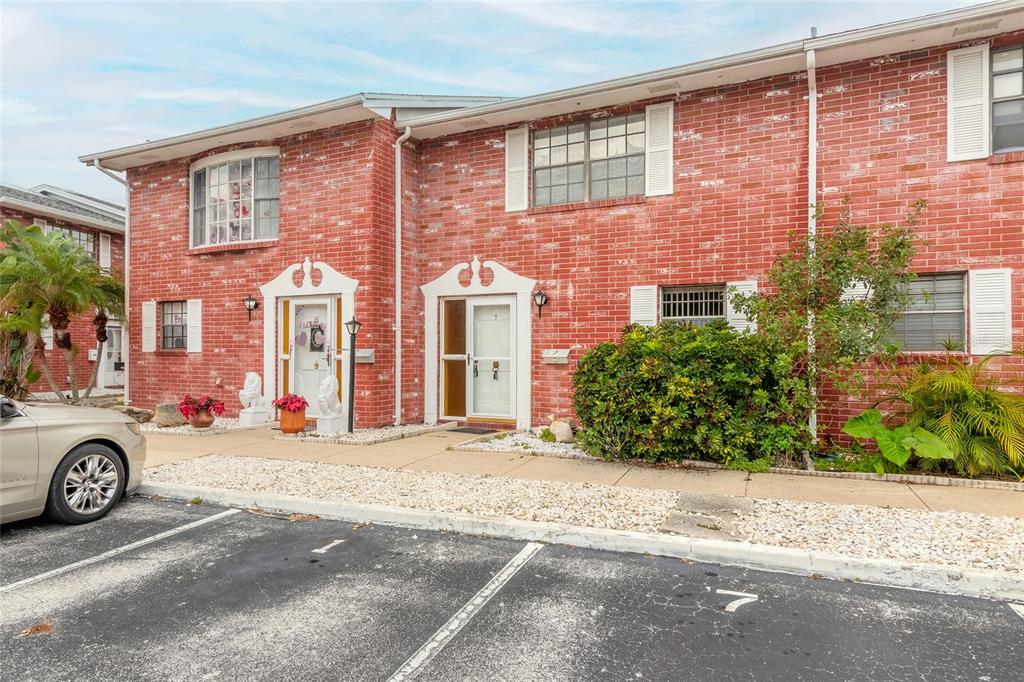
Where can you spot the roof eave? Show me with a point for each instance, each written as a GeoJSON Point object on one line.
{"type": "Point", "coordinates": [50, 212]}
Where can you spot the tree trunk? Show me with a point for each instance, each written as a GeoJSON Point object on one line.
{"type": "Point", "coordinates": [95, 371]}
{"type": "Point", "coordinates": [45, 371]}
{"type": "Point", "coordinates": [69, 359]}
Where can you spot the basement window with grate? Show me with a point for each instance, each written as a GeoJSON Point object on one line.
{"type": "Point", "coordinates": [696, 305]}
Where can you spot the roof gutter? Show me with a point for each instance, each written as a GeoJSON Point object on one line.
{"type": "Point", "coordinates": [398, 273]}
{"type": "Point", "coordinates": [125, 346]}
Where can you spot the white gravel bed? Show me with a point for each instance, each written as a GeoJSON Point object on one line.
{"type": "Point", "coordinates": [45, 396]}
{"type": "Point", "coordinates": [221, 425]}
{"type": "Point", "coordinates": [579, 504]}
{"type": "Point", "coordinates": [523, 442]}
{"type": "Point", "coordinates": [380, 434]}
{"type": "Point", "coordinates": [947, 538]}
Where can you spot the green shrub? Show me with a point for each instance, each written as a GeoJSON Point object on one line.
{"type": "Point", "coordinates": [968, 408]}
{"type": "Point", "coordinates": [672, 392]}
{"type": "Point", "coordinates": [547, 435]}
{"type": "Point", "coordinates": [898, 444]}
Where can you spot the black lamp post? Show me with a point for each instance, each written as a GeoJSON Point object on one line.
{"type": "Point", "coordinates": [352, 327]}
{"type": "Point", "coordinates": [541, 300]}
{"type": "Point", "coordinates": [251, 304]}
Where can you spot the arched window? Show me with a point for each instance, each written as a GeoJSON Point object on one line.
{"type": "Point", "coordinates": [235, 197]}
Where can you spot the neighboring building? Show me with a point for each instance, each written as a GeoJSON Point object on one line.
{"type": "Point", "coordinates": [98, 226]}
{"type": "Point", "coordinates": [634, 199]}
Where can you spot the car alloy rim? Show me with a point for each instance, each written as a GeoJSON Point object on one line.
{"type": "Point", "coordinates": [90, 484]}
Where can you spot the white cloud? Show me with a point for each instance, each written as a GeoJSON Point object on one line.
{"type": "Point", "coordinates": [221, 96]}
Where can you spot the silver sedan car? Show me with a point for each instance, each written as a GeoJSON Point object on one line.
{"type": "Point", "coordinates": [70, 463]}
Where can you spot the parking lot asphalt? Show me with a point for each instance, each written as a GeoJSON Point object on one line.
{"type": "Point", "coordinates": [159, 590]}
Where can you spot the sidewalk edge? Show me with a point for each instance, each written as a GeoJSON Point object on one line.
{"type": "Point", "coordinates": [946, 579]}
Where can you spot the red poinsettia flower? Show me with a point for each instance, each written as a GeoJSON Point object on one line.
{"type": "Point", "coordinates": [190, 407]}
{"type": "Point", "coordinates": [291, 403]}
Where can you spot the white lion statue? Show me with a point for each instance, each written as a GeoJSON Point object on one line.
{"type": "Point", "coordinates": [251, 394]}
{"type": "Point", "coordinates": [327, 400]}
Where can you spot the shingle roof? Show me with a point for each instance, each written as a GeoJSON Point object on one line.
{"type": "Point", "coordinates": [47, 201]}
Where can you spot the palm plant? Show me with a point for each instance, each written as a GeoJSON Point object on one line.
{"type": "Point", "coordinates": [967, 406]}
{"type": "Point", "coordinates": [49, 274]}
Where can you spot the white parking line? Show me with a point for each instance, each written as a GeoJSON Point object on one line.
{"type": "Point", "coordinates": [744, 598]}
{"type": "Point", "coordinates": [448, 631]}
{"type": "Point", "coordinates": [1018, 609]}
{"type": "Point", "coordinates": [323, 550]}
{"type": "Point", "coordinates": [114, 552]}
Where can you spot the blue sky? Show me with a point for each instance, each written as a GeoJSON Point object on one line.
{"type": "Point", "coordinates": [85, 77]}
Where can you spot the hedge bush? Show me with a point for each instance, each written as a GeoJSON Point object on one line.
{"type": "Point", "coordinates": [676, 391]}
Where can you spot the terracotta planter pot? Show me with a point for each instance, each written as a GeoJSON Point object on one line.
{"type": "Point", "coordinates": [201, 420]}
{"type": "Point", "coordinates": [293, 422]}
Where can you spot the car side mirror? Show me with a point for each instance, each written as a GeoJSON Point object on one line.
{"type": "Point", "coordinates": [7, 409]}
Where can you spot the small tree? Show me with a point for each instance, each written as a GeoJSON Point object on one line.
{"type": "Point", "coordinates": [49, 274]}
{"type": "Point", "coordinates": [833, 298]}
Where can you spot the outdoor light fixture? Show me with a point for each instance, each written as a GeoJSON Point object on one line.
{"type": "Point", "coordinates": [352, 327]}
{"type": "Point", "coordinates": [251, 304]}
{"type": "Point", "coordinates": [541, 299]}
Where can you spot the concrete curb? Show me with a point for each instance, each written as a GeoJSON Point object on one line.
{"type": "Point", "coordinates": [951, 580]}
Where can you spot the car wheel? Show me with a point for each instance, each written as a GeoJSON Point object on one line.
{"type": "Point", "coordinates": [87, 484]}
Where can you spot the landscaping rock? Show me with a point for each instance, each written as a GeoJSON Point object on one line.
{"type": "Point", "coordinates": [562, 431]}
{"type": "Point", "coordinates": [167, 415]}
{"type": "Point", "coordinates": [139, 414]}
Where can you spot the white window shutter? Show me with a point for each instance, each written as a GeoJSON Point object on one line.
{"type": "Point", "coordinates": [967, 103]}
{"type": "Point", "coordinates": [104, 250]}
{"type": "Point", "coordinates": [148, 326]}
{"type": "Point", "coordinates": [41, 223]}
{"type": "Point", "coordinates": [46, 332]}
{"type": "Point", "coordinates": [658, 154]}
{"type": "Point", "coordinates": [194, 341]}
{"type": "Point", "coordinates": [738, 320]}
{"type": "Point", "coordinates": [990, 308]}
{"type": "Point", "coordinates": [643, 305]}
{"type": "Point", "coordinates": [517, 177]}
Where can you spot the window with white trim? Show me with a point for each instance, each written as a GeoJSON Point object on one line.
{"type": "Point", "coordinates": [935, 319]}
{"type": "Point", "coordinates": [235, 199]}
{"type": "Point", "coordinates": [696, 305]}
{"type": "Point", "coordinates": [84, 238]}
{"type": "Point", "coordinates": [1008, 99]}
{"type": "Point", "coordinates": [585, 161]}
{"type": "Point", "coordinates": [173, 325]}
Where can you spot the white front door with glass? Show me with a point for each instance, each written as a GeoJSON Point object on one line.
{"type": "Point", "coordinates": [313, 350]}
{"type": "Point", "coordinates": [477, 360]}
{"type": "Point", "coordinates": [113, 363]}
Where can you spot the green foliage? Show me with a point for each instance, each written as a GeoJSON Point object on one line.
{"type": "Point", "coordinates": [762, 465]}
{"type": "Point", "coordinates": [899, 444]}
{"type": "Point", "coordinates": [672, 392]}
{"type": "Point", "coordinates": [857, 463]}
{"type": "Point", "coordinates": [969, 409]}
{"type": "Point", "coordinates": [806, 292]}
{"type": "Point", "coordinates": [547, 435]}
{"type": "Point", "coordinates": [48, 275]}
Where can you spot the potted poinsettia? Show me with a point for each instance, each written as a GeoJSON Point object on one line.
{"type": "Point", "coordinates": [200, 412]}
{"type": "Point", "coordinates": [293, 412]}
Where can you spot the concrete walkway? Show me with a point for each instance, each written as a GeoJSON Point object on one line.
{"type": "Point", "coordinates": [429, 452]}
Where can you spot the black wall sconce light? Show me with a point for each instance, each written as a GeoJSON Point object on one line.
{"type": "Point", "coordinates": [541, 300]}
{"type": "Point", "coordinates": [251, 304]}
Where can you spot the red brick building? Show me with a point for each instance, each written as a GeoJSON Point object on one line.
{"type": "Point", "coordinates": [636, 199]}
{"type": "Point", "coordinates": [98, 226]}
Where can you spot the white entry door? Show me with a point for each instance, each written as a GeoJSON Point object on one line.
{"type": "Point", "coordinates": [312, 350]}
{"type": "Point", "coordinates": [113, 363]}
{"type": "Point", "coordinates": [490, 382]}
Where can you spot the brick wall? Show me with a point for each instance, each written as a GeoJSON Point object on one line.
{"type": "Point", "coordinates": [740, 191]}
{"type": "Point", "coordinates": [83, 334]}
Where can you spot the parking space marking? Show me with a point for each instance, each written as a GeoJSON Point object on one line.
{"type": "Point", "coordinates": [117, 550]}
{"type": "Point", "coordinates": [435, 644]}
{"type": "Point", "coordinates": [1018, 609]}
{"type": "Point", "coordinates": [323, 550]}
{"type": "Point", "coordinates": [744, 598]}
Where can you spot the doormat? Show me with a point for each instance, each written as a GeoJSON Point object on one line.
{"type": "Point", "coordinates": [475, 430]}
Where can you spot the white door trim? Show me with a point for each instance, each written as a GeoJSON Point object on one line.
{"type": "Point", "coordinates": [332, 284]}
{"type": "Point", "coordinates": [504, 281]}
{"type": "Point", "coordinates": [330, 323]}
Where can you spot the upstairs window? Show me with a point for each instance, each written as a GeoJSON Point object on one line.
{"type": "Point", "coordinates": [1008, 99]}
{"type": "Point", "coordinates": [695, 305]}
{"type": "Point", "coordinates": [236, 197]}
{"type": "Point", "coordinates": [586, 161]}
{"type": "Point", "coordinates": [85, 239]}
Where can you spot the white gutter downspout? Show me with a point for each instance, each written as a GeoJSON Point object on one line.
{"type": "Point", "coordinates": [812, 227]}
{"type": "Point", "coordinates": [398, 273]}
{"type": "Point", "coordinates": [127, 268]}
